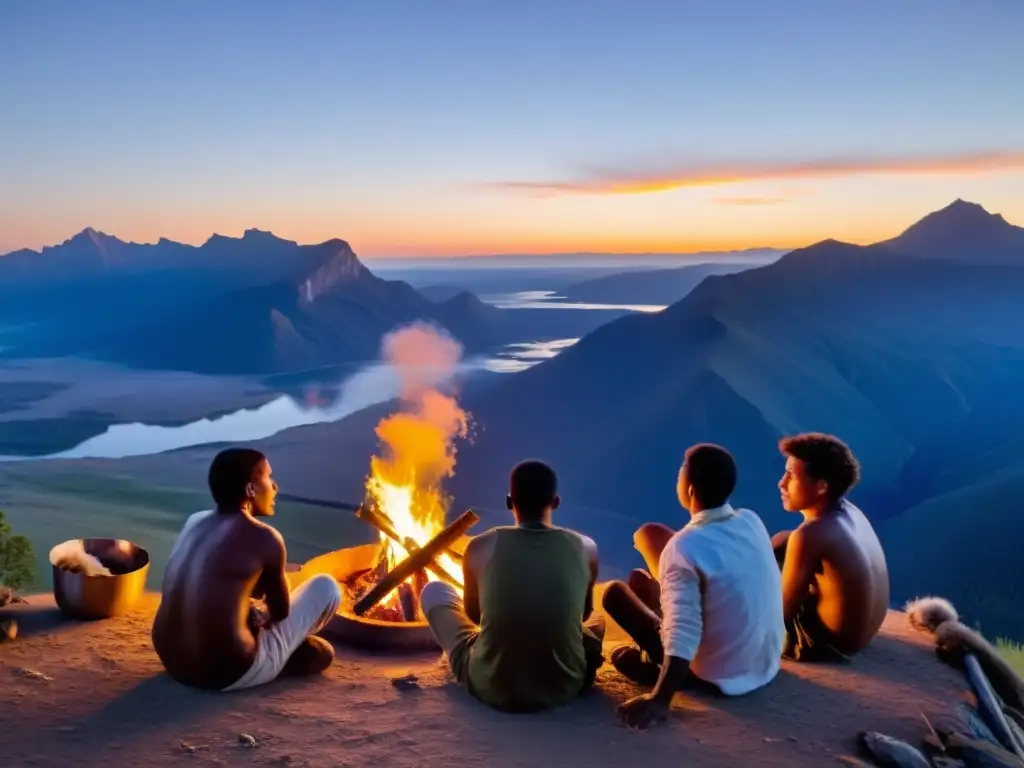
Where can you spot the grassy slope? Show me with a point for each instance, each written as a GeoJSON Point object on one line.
{"type": "Point", "coordinates": [53, 508]}
{"type": "Point", "coordinates": [1013, 653]}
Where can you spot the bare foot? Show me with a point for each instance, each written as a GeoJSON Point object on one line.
{"type": "Point", "coordinates": [314, 655]}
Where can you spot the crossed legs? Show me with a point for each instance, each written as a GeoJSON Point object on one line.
{"type": "Point", "coordinates": [288, 647]}
{"type": "Point", "coordinates": [635, 605]}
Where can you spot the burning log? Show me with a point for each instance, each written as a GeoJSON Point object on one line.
{"type": "Point", "coordinates": [417, 561]}
{"type": "Point", "coordinates": [408, 601]}
{"type": "Point", "coordinates": [374, 517]}
{"type": "Point", "coordinates": [419, 582]}
{"type": "Point", "coordinates": [383, 523]}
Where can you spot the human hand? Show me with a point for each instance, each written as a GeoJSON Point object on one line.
{"type": "Point", "coordinates": [642, 711]}
{"type": "Point", "coordinates": [258, 618]}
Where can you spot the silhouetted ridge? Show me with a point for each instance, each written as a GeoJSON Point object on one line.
{"type": "Point", "coordinates": [963, 231]}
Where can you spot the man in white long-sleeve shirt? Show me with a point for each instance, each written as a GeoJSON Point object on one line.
{"type": "Point", "coordinates": [709, 613]}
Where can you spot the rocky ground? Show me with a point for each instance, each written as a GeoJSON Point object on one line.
{"type": "Point", "coordinates": [94, 694]}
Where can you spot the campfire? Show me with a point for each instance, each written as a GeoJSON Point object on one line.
{"type": "Point", "coordinates": [414, 549]}
{"type": "Point", "coordinates": [382, 582]}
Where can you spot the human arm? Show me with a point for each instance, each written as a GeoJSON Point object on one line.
{"type": "Point", "coordinates": [272, 581]}
{"type": "Point", "coordinates": [681, 629]}
{"type": "Point", "coordinates": [470, 589]}
{"type": "Point", "coordinates": [797, 571]}
{"type": "Point", "coordinates": [590, 549]}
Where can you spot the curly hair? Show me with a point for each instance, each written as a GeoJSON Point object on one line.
{"type": "Point", "coordinates": [825, 457]}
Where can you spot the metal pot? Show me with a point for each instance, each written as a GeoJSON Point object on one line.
{"type": "Point", "coordinates": [102, 597]}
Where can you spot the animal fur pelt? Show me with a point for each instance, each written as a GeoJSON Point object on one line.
{"type": "Point", "coordinates": [937, 617]}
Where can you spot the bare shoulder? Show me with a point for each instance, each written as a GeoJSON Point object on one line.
{"type": "Point", "coordinates": [267, 538]}
{"type": "Point", "coordinates": [810, 535]}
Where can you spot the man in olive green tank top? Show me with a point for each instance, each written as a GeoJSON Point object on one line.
{"type": "Point", "coordinates": [523, 640]}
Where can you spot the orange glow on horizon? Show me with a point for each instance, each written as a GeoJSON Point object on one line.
{"type": "Point", "coordinates": [646, 181]}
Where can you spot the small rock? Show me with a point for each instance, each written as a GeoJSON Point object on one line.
{"type": "Point", "coordinates": [794, 739]}
{"type": "Point", "coordinates": [186, 747]}
{"type": "Point", "coordinates": [245, 740]}
{"type": "Point", "coordinates": [8, 630]}
{"type": "Point", "coordinates": [409, 682]}
{"type": "Point", "coordinates": [32, 674]}
{"type": "Point", "coordinates": [770, 740]}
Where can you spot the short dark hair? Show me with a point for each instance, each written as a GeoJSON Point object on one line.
{"type": "Point", "coordinates": [230, 471]}
{"type": "Point", "coordinates": [825, 457]}
{"type": "Point", "coordinates": [533, 486]}
{"type": "Point", "coordinates": [711, 470]}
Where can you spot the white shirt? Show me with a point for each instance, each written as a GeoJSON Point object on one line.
{"type": "Point", "coordinates": [721, 600]}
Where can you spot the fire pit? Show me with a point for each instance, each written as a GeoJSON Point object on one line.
{"type": "Point", "coordinates": [380, 592]}
{"type": "Point", "coordinates": [404, 501]}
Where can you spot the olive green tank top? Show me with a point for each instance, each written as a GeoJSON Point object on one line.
{"type": "Point", "coordinates": [529, 654]}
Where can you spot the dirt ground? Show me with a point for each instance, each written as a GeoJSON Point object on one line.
{"type": "Point", "coordinates": [94, 694]}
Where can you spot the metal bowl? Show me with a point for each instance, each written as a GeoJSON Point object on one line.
{"type": "Point", "coordinates": [103, 597]}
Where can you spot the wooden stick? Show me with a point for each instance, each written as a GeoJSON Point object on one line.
{"type": "Point", "coordinates": [408, 601]}
{"type": "Point", "coordinates": [416, 560]}
{"type": "Point", "coordinates": [382, 523]}
{"type": "Point", "coordinates": [990, 707]}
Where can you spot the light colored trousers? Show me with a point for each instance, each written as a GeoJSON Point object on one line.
{"type": "Point", "coordinates": [312, 606]}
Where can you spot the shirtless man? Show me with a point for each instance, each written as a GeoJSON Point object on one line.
{"type": "Point", "coordinates": [208, 633]}
{"type": "Point", "coordinates": [835, 584]}
{"type": "Point", "coordinates": [523, 639]}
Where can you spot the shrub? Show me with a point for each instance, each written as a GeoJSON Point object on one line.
{"type": "Point", "coordinates": [17, 562]}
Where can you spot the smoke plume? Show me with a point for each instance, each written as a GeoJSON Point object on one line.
{"type": "Point", "coordinates": [419, 440]}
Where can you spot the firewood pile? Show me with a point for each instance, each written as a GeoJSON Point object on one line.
{"type": "Point", "coordinates": [365, 590]}
{"type": "Point", "coordinates": [988, 733]}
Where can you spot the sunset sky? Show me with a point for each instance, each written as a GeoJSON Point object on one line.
{"type": "Point", "coordinates": [484, 126]}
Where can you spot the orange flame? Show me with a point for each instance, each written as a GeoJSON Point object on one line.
{"type": "Point", "coordinates": [405, 483]}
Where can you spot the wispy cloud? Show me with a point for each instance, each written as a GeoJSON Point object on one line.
{"type": "Point", "coordinates": [678, 175]}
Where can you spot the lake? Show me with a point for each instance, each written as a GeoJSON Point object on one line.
{"type": "Point", "coordinates": [373, 384]}
{"type": "Point", "coordinates": [551, 300]}
{"type": "Point", "coordinates": [368, 386]}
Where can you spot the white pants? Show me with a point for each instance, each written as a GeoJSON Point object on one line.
{"type": "Point", "coordinates": [312, 606]}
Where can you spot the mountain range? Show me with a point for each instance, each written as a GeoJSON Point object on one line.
{"type": "Point", "coordinates": [911, 350]}
{"type": "Point", "coordinates": [257, 304]}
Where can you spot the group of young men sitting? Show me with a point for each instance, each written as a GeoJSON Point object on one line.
{"type": "Point", "coordinates": [719, 604]}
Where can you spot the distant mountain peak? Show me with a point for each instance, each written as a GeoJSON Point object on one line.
{"type": "Point", "coordinates": [251, 236]}
{"type": "Point", "coordinates": [338, 264]}
{"type": "Point", "coordinates": [95, 237]}
{"type": "Point", "coordinates": [263, 235]}
{"type": "Point", "coordinates": [964, 231]}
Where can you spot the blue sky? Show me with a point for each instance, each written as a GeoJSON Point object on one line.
{"type": "Point", "coordinates": [466, 127]}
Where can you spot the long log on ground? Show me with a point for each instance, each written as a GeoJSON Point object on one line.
{"type": "Point", "coordinates": [416, 561]}
{"type": "Point", "coordinates": [383, 523]}
{"type": "Point", "coordinates": [990, 707]}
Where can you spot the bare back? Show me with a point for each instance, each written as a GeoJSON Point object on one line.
{"type": "Point", "coordinates": [851, 577]}
{"type": "Point", "coordinates": [202, 631]}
